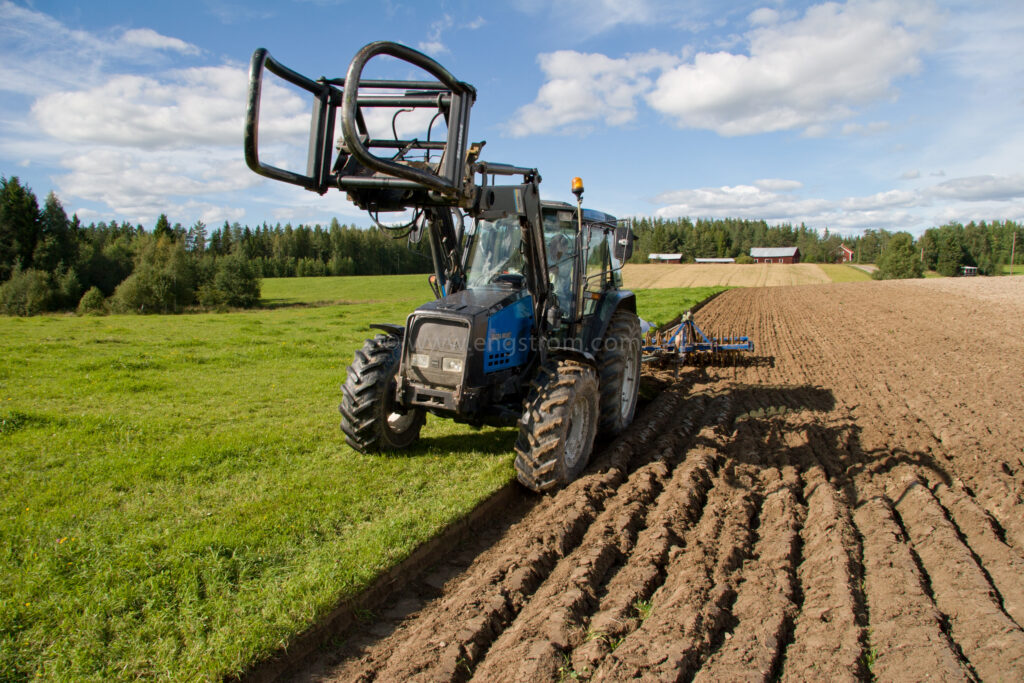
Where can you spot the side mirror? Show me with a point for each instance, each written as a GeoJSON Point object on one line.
{"type": "Point", "coordinates": [623, 243]}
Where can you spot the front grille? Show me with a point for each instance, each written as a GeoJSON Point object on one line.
{"type": "Point", "coordinates": [437, 339]}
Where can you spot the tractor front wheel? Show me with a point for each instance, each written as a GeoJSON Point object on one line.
{"type": "Point", "coordinates": [558, 425]}
{"type": "Point", "coordinates": [370, 416]}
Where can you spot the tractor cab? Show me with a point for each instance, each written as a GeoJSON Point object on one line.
{"type": "Point", "coordinates": [495, 256]}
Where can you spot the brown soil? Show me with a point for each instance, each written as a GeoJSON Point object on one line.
{"type": "Point", "coordinates": [853, 509]}
{"type": "Point", "coordinates": [662, 275]}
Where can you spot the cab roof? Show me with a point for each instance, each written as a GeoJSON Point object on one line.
{"type": "Point", "coordinates": [589, 215]}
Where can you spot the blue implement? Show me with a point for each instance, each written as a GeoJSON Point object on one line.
{"type": "Point", "coordinates": [686, 338]}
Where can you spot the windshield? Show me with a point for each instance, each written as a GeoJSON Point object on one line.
{"type": "Point", "coordinates": [496, 251]}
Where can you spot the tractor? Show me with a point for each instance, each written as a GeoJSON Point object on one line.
{"type": "Point", "coordinates": [530, 325]}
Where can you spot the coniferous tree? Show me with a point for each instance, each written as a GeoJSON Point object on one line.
{"type": "Point", "coordinates": [19, 225]}
{"type": "Point", "coordinates": [57, 244]}
{"type": "Point", "coordinates": [163, 227]}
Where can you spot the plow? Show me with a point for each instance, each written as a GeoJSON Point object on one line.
{"type": "Point", "coordinates": [685, 343]}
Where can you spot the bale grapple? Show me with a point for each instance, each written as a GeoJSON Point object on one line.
{"type": "Point", "coordinates": [684, 343]}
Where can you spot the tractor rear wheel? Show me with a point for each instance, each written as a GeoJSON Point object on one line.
{"type": "Point", "coordinates": [619, 365]}
{"type": "Point", "coordinates": [558, 425]}
{"type": "Point", "coordinates": [370, 417]}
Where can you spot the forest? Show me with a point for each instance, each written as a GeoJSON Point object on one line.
{"type": "Point", "coordinates": [49, 262]}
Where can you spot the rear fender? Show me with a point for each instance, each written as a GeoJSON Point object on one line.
{"type": "Point", "coordinates": [610, 302]}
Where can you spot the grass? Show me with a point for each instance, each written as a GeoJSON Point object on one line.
{"type": "Point", "coordinates": [288, 291]}
{"type": "Point", "coordinates": [662, 305]}
{"type": "Point", "coordinates": [643, 609]}
{"type": "Point", "coordinates": [838, 272]}
{"type": "Point", "coordinates": [178, 499]}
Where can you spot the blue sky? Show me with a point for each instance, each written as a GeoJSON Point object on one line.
{"type": "Point", "coordinates": [847, 115]}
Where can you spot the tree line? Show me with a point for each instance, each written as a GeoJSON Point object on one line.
{"type": "Point", "coordinates": [49, 262]}
{"type": "Point", "coordinates": [985, 245]}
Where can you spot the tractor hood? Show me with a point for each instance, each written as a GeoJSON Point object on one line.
{"type": "Point", "coordinates": [457, 343]}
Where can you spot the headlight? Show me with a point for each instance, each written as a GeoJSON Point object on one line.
{"type": "Point", "coordinates": [452, 365]}
{"type": "Point", "coordinates": [419, 360]}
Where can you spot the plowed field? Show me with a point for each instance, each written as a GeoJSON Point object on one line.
{"type": "Point", "coordinates": [662, 275]}
{"type": "Point", "coordinates": [845, 505]}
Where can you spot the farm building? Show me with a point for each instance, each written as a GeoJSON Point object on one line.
{"type": "Point", "coordinates": [775, 254]}
{"type": "Point", "coordinates": [845, 254]}
{"type": "Point", "coordinates": [665, 258]}
{"type": "Point", "coordinates": [715, 260]}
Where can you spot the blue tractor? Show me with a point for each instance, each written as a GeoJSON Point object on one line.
{"type": "Point", "coordinates": [530, 325]}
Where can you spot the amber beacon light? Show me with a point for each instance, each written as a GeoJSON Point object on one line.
{"type": "Point", "coordinates": [577, 186]}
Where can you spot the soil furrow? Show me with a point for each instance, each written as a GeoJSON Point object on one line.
{"type": "Point", "coordinates": [905, 629]}
{"type": "Point", "coordinates": [988, 637]}
{"type": "Point", "coordinates": [493, 590]}
{"type": "Point", "coordinates": [551, 624]}
{"type": "Point", "coordinates": [827, 634]}
{"type": "Point", "coordinates": [1003, 564]}
{"type": "Point", "coordinates": [766, 598]}
{"type": "Point", "coordinates": [691, 608]}
{"type": "Point", "coordinates": [530, 649]}
{"type": "Point", "coordinates": [626, 597]}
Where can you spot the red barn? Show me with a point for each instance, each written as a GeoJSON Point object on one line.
{"type": "Point", "coordinates": [775, 255]}
{"type": "Point", "coordinates": [845, 254]}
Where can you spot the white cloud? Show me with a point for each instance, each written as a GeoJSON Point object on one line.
{"type": "Point", "coordinates": [798, 74]}
{"type": "Point", "coordinates": [433, 45]}
{"type": "Point", "coordinates": [138, 143]}
{"type": "Point", "coordinates": [138, 184]}
{"type": "Point", "coordinates": [205, 105]}
{"type": "Point", "coordinates": [763, 16]}
{"type": "Point", "coordinates": [148, 38]}
{"type": "Point", "coordinates": [980, 188]}
{"type": "Point", "coordinates": [740, 201]}
{"type": "Point", "coordinates": [960, 199]}
{"type": "Point", "coordinates": [778, 184]}
{"type": "Point", "coordinates": [910, 175]}
{"type": "Point", "coordinates": [408, 124]}
{"type": "Point", "coordinates": [803, 74]}
{"type": "Point", "coordinates": [882, 200]}
{"type": "Point", "coordinates": [581, 87]}
{"type": "Point", "coordinates": [39, 53]}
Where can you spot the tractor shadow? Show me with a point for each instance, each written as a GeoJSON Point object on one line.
{"type": "Point", "coordinates": [466, 440]}
{"type": "Point", "coordinates": [803, 426]}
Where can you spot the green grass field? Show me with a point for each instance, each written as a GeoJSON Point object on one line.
{"type": "Point", "coordinates": [662, 305]}
{"type": "Point", "coordinates": [178, 499]}
{"type": "Point", "coordinates": [839, 272]}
